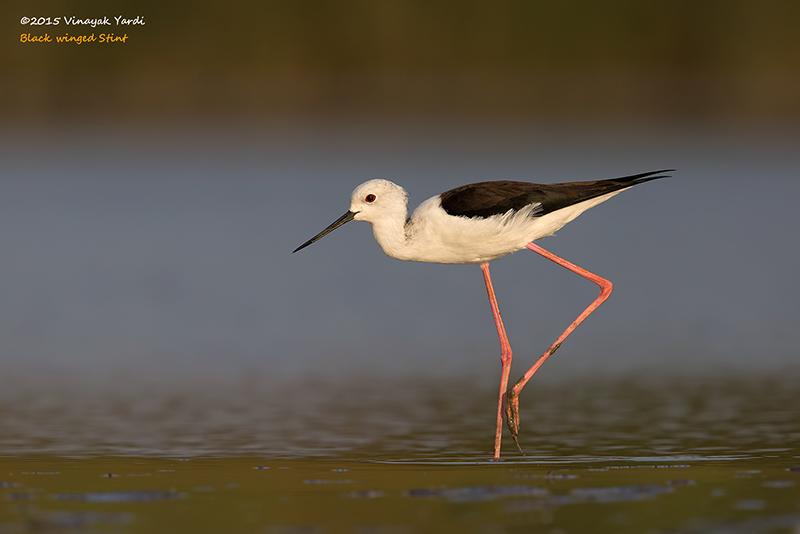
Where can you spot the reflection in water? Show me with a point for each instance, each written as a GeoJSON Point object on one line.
{"type": "Point", "coordinates": [118, 496]}
{"type": "Point", "coordinates": [417, 421]}
{"type": "Point", "coordinates": [716, 455]}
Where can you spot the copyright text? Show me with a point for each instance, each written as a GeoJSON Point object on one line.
{"type": "Point", "coordinates": [71, 20]}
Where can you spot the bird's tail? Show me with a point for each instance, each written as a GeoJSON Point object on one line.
{"type": "Point", "coordinates": [570, 193]}
{"type": "Point", "coordinates": [641, 178]}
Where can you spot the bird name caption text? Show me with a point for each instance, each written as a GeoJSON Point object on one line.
{"type": "Point", "coordinates": [72, 21]}
{"type": "Point", "coordinates": [84, 38]}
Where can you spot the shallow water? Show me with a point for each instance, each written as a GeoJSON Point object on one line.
{"type": "Point", "coordinates": [618, 455]}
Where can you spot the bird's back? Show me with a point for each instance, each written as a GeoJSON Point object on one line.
{"type": "Point", "coordinates": [485, 199]}
{"type": "Point", "coordinates": [484, 221]}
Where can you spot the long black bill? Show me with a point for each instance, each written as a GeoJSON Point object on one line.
{"type": "Point", "coordinates": [346, 218]}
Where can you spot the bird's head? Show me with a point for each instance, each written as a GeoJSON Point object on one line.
{"type": "Point", "coordinates": [371, 201]}
{"type": "Point", "coordinates": [376, 199]}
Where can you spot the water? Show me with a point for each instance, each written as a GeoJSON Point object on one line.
{"type": "Point", "coordinates": [169, 252]}
{"type": "Point", "coordinates": [635, 454]}
{"type": "Point", "coordinates": [144, 273]}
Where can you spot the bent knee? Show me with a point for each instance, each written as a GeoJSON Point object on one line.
{"type": "Point", "coordinates": [606, 287]}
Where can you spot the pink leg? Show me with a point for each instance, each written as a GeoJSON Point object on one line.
{"type": "Point", "coordinates": [505, 357]}
{"type": "Point", "coordinates": [512, 396]}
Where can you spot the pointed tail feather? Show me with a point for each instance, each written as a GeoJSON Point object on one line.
{"type": "Point", "coordinates": [641, 178]}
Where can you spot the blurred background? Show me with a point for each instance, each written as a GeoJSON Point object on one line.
{"type": "Point", "coordinates": [706, 62]}
{"type": "Point", "coordinates": [150, 193]}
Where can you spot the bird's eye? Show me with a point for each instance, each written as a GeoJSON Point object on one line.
{"type": "Point", "coordinates": [370, 198]}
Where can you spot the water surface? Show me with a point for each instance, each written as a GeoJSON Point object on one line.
{"type": "Point", "coordinates": [641, 454]}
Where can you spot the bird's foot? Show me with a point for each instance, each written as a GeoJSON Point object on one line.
{"type": "Point", "coordinates": [512, 417]}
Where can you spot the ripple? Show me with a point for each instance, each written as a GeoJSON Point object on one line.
{"type": "Point", "coordinates": [417, 421]}
{"type": "Point", "coordinates": [119, 496]}
{"type": "Point", "coordinates": [477, 493]}
{"type": "Point", "coordinates": [570, 460]}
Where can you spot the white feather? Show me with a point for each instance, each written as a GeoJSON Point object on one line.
{"type": "Point", "coordinates": [432, 235]}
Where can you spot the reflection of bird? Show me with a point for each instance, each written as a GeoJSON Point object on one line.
{"type": "Point", "coordinates": [478, 223]}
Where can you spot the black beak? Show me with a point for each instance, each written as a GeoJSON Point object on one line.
{"type": "Point", "coordinates": [346, 218]}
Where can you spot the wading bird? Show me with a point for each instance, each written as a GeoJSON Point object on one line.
{"type": "Point", "coordinates": [478, 223]}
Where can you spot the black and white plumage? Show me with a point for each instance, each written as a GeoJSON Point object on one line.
{"type": "Point", "coordinates": [478, 223]}
{"type": "Point", "coordinates": [474, 223]}
{"type": "Point", "coordinates": [485, 199]}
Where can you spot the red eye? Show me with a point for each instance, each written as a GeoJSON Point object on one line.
{"type": "Point", "coordinates": [370, 198]}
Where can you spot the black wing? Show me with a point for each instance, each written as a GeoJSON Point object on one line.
{"type": "Point", "coordinates": [485, 199]}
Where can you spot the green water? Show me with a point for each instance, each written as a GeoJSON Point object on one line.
{"type": "Point", "coordinates": [636, 455]}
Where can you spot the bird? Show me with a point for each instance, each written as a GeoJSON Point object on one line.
{"type": "Point", "coordinates": [477, 224]}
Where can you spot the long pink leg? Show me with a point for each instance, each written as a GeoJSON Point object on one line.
{"type": "Point", "coordinates": [505, 357]}
{"type": "Point", "coordinates": [512, 396]}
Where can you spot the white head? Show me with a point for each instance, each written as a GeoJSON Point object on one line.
{"type": "Point", "coordinates": [376, 199]}
{"type": "Point", "coordinates": [373, 201]}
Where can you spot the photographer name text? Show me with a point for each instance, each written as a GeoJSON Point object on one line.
{"type": "Point", "coordinates": [71, 20]}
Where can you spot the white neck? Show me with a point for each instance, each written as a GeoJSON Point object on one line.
{"type": "Point", "coordinates": [390, 233]}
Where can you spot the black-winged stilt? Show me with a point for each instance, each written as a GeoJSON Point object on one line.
{"type": "Point", "coordinates": [478, 223]}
